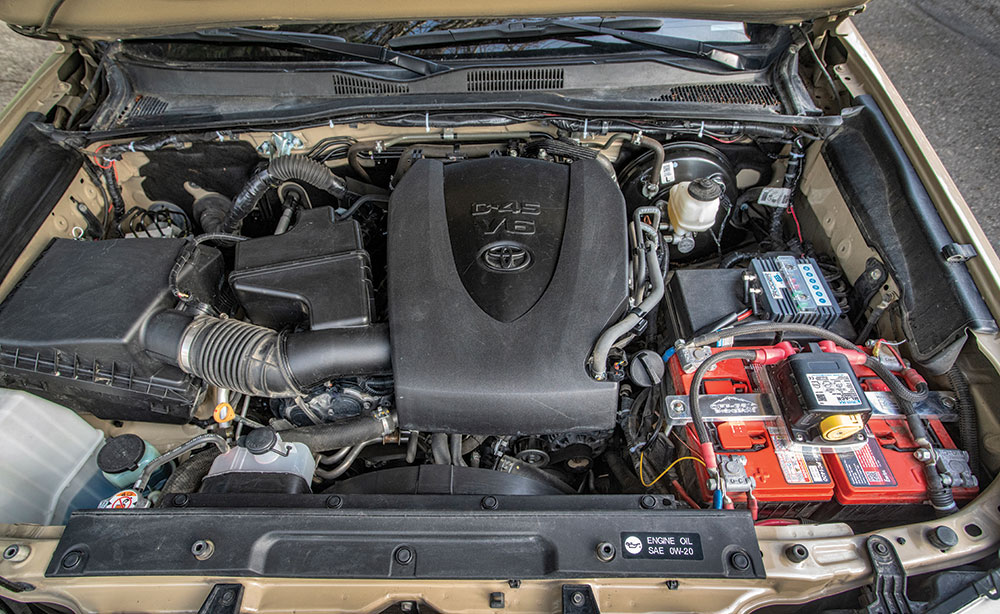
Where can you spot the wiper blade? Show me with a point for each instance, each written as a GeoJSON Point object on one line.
{"type": "Point", "coordinates": [323, 42]}
{"type": "Point", "coordinates": [563, 27]}
{"type": "Point", "coordinates": [542, 28]}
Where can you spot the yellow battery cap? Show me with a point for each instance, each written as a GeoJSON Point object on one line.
{"type": "Point", "coordinates": [840, 426]}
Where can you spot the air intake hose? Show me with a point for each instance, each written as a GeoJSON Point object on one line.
{"type": "Point", "coordinates": [281, 169]}
{"type": "Point", "coordinates": [259, 361]}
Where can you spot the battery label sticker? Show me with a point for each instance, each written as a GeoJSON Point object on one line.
{"type": "Point", "coordinates": [798, 466]}
{"type": "Point", "coordinates": [867, 467]}
{"type": "Point", "coordinates": [664, 546]}
{"type": "Point", "coordinates": [834, 389]}
{"type": "Point", "coordinates": [775, 284]}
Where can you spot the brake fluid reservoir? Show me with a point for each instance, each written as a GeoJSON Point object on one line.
{"type": "Point", "coordinates": [693, 205]}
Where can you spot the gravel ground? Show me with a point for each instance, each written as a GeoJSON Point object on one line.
{"type": "Point", "coordinates": [944, 57]}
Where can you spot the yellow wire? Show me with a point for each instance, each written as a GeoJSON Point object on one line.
{"type": "Point", "coordinates": [669, 467]}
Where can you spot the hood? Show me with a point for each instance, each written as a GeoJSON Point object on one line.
{"type": "Point", "coordinates": [112, 19]}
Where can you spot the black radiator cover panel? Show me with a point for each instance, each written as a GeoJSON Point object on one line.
{"type": "Point", "coordinates": [482, 342]}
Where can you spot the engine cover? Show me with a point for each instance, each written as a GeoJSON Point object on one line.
{"type": "Point", "coordinates": [502, 274]}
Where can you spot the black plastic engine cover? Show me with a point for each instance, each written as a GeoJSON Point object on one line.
{"type": "Point", "coordinates": [502, 274]}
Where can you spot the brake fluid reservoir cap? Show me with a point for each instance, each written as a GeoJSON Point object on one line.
{"type": "Point", "coordinates": [704, 189]}
{"type": "Point", "coordinates": [840, 426]}
{"type": "Point", "coordinates": [121, 453]}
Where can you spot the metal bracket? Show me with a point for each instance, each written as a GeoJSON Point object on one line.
{"type": "Point", "coordinates": [958, 252]}
{"type": "Point", "coordinates": [579, 599]}
{"type": "Point", "coordinates": [223, 599]}
{"type": "Point", "coordinates": [864, 289]}
{"type": "Point", "coordinates": [280, 144]}
{"type": "Point", "coordinates": [887, 592]}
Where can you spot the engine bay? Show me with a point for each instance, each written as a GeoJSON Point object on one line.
{"type": "Point", "coordinates": [533, 310]}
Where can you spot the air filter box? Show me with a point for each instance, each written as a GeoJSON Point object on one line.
{"type": "Point", "coordinates": [315, 275]}
{"type": "Point", "coordinates": [71, 331]}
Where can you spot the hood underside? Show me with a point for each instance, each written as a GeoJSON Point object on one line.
{"type": "Point", "coordinates": [112, 19]}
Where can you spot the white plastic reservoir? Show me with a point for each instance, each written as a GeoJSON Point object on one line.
{"type": "Point", "coordinates": [48, 461]}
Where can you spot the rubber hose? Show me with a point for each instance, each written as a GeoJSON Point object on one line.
{"type": "Point", "coordinates": [255, 360]}
{"type": "Point", "coordinates": [515, 466]}
{"type": "Point", "coordinates": [730, 259]}
{"type": "Point", "coordinates": [336, 435]}
{"type": "Point", "coordinates": [968, 426]}
{"type": "Point", "coordinates": [411, 447]}
{"type": "Point", "coordinates": [189, 474]}
{"type": "Point", "coordinates": [281, 169]}
{"type": "Point", "coordinates": [439, 449]}
{"type": "Point", "coordinates": [599, 357]}
{"type": "Point", "coordinates": [699, 374]}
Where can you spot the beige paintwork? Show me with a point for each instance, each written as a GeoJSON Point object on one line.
{"type": "Point", "coordinates": [836, 563]}
{"type": "Point", "coordinates": [111, 19]}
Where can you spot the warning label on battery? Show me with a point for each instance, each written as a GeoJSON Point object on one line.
{"type": "Point", "coordinates": [867, 467]}
{"type": "Point", "coordinates": [676, 546]}
{"type": "Point", "coordinates": [835, 389]}
{"type": "Point", "coordinates": [798, 466]}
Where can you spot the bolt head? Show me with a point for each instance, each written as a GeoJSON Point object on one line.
{"type": "Point", "coordinates": [578, 599]}
{"type": "Point", "coordinates": [647, 502]}
{"type": "Point", "coordinates": [489, 502]}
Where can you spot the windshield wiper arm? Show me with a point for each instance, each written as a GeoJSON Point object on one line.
{"type": "Point", "coordinates": [557, 27]}
{"type": "Point", "coordinates": [324, 42]}
{"type": "Point", "coordinates": [543, 28]}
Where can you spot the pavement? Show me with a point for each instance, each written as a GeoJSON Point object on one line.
{"type": "Point", "coordinates": [944, 57]}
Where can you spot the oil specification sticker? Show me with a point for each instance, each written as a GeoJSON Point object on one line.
{"type": "Point", "coordinates": [665, 546]}
{"type": "Point", "coordinates": [834, 389]}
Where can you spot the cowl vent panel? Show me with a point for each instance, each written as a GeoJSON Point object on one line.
{"type": "Point", "coordinates": [515, 79]}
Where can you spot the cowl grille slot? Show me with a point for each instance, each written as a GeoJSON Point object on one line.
{"type": "Point", "coordinates": [723, 93]}
{"type": "Point", "coordinates": [350, 85]}
{"type": "Point", "coordinates": [515, 79]}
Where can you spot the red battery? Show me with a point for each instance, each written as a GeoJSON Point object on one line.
{"type": "Point", "coordinates": [885, 471]}
{"type": "Point", "coordinates": [788, 481]}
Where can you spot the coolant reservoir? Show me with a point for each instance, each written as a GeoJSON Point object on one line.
{"type": "Point", "coordinates": [48, 461]}
{"type": "Point", "coordinates": [693, 205]}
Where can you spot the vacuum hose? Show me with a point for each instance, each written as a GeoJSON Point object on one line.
{"type": "Point", "coordinates": [258, 361]}
{"type": "Point", "coordinates": [281, 169]}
